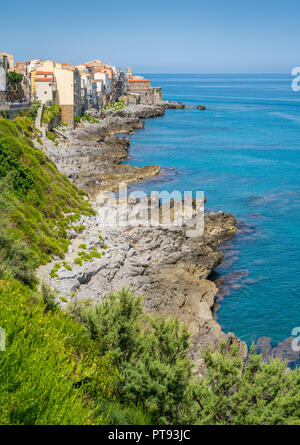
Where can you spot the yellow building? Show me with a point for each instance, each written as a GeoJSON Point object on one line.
{"type": "Point", "coordinates": [66, 88]}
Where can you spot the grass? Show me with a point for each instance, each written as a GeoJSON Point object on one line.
{"type": "Point", "coordinates": [50, 373]}
{"type": "Point", "coordinates": [37, 203]}
{"type": "Point", "coordinates": [52, 137]}
{"type": "Point", "coordinates": [53, 273]}
{"type": "Point", "coordinates": [119, 105]}
{"type": "Point", "coordinates": [88, 118]}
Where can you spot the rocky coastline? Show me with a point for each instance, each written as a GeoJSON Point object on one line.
{"type": "Point", "coordinates": [170, 270]}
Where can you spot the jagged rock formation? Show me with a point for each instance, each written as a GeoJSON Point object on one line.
{"type": "Point", "coordinates": [91, 155]}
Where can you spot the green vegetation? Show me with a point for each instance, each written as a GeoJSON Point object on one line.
{"type": "Point", "coordinates": [14, 79]}
{"type": "Point", "coordinates": [78, 261]}
{"type": "Point", "coordinates": [52, 137]}
{"type": "Point", "coordinates": [151, 354]}
{"type": "Point", "coordinates": [111, 363]}
{"type": "Point", "coordinates": [258, 393]}
{"type": "Point", "coordinates": [51, 113]}
{"type": "Point", "coordinates": [89, 119]}
{"type": "Point", "coordinates": [37, 203]}
{"type": "Point", "coordinates": [32, 110]}
{"type": "Point", "coordinates": [114, 364]}
{"type": "Point", "coordinates": [66, 265]}
{"type": "Point", "coordinates": [53, 273]}
{"type": "Point", "coordinates": [89, 256]}
{"type": "Point", "coordinates": [76, 119]}
{"type": "Point", "coordinates": [50, 373]}
{"type": "Point", "coordinates": [119, 105]}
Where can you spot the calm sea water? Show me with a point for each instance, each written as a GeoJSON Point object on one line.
{"type": "Point", "coordinates": [244, 153]}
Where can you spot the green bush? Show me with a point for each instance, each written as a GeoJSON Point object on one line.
{"type": "Point", "coordinates": [37, 203]}
{"type": "Point", "coordinates": [89, 119]}
{"type": "Point", "coordinates": [233, 393]}
{"type": "Point", "coordinates": [124, 415]}
{"type": "Point", "coordinates": [119, 105]}
{"type": "Point", "coordinates": [150, 353]}
{"type": "Point", "coordinates": [155, 374]}
{"type": "Point", "coordinates": [51, 113]}
{"type": "Point", "coordinates": [50, 373]}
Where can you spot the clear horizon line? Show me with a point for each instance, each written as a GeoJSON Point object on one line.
{"type": "Point", "coordinates": [220, 74]}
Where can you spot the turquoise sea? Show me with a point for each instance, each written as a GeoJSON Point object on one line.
{"type": "Point", "coordinates": [244, 153]}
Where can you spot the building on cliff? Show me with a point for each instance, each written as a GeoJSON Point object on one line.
{"type": "Point", "coordinates": [10, 59]}
{"type": "Point", "coordinates": [114, 80]}
{"type": "Point", "coordinates": [105, 95]}
{"type": "Point", "coordinates": [4, 66]}
{"type": "Point", "coordinates": [88, 91]}
{"type": "Point", "coordinates": [59, 83]}
{"type": "Point", "coordinates": [45, 86]}
{"type": "Point", "coordinates": [142, 91]}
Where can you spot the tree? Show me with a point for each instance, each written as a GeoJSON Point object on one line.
{"type": "Point", "coordinates": [15, 86]}
{"type": "Point", "coordinates": [234, 393]}
{"type": "Point", "coordinates": [14, 78]}
{"type": "Point", "coordinates": [150, 353]}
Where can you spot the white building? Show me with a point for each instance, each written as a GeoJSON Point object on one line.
{"type": "Point", "coordinates": [45, 86]}
{"type": "Point", "coordinates": [88, 97]}
{"type": "Point", "coordinates": [106, 81]}
{"type": "Point", "coordinates": [100, 92]}
{"type": "Point", "coordinates": [3, 78]}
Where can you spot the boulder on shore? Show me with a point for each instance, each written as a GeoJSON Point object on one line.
{"type": "Point", "coordinates": [173, 105]}
{"type": "Point", "coordinates": [201, 107]}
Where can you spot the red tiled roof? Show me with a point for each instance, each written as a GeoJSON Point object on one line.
{"type": "Point", "coordinates": [44, 72]}
{"type": "Point", "coordinates": [39, 79]}
{"type": "Point", "coordinates": [138, 80]}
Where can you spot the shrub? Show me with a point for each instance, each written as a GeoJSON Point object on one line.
{"type": "Point", "coordinates": [89, 119]}
{"type": "Point", "coordinates": [150, 353]}
{"type": "Point", "coordinates": [259, 393]}
{"type": "Point", "coordinates": [119, 105]}
{"type": "Point", "coordinates": [51, 113]}
{"type": "Point", "coordinates": [35, 201]}
{"type": "Point", "coordinates": [49, 371]}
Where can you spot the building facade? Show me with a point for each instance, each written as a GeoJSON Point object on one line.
{"type": "Point", "coordinates": [143, 92]}
{"type": "Point", "coordinates": [4, 66]}
{"type": "Point", "coordinates": [10, 59]}
{"type": "Point", "coordinates": [45, 86]}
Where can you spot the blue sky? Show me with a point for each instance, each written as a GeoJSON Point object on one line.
{"type": "Point", "coordinates": [187, 36]}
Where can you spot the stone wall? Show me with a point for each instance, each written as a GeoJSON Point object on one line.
{"type": "Point", "coordinates": [143, 89]}
{"type": "Point", "coordinates": [157, 95]}
{"type": "Point", "coordinates": [12, 111]}
{"type": "Point", "coordinates": [67, 114]}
